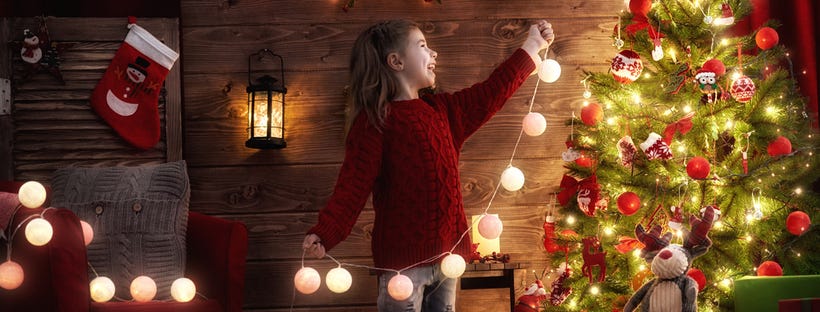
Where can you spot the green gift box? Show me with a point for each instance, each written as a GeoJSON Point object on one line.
{"type": "Point", "coordinates": [762, 293]}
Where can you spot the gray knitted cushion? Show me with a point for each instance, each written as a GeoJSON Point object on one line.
{"type": "Point", "coordinates": [139, 216]}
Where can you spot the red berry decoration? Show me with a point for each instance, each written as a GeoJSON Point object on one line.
{"type": "Point", "coordinates": [698, 168]}
{"type": "Point", "coordinates": [629, 203]}
{"type": "Point", "coordinates": [592, 114]}
{"type": "Point", "coordinates": [698, 276]}
{"type": "Point", "coordinates": [766, 38]}
{"type": "Point", "coordinates": [780, 146]}
{"type": "Point", "coordinates": [769, 268]}
{"type": "Point", "coordinates": [798, 222]}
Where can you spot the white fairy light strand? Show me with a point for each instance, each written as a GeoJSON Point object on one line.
{"type": "Point", "coordinates": [472, 224]}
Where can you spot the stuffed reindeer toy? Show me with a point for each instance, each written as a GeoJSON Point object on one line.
{"type": "Point", "coordinates": [672, 289]}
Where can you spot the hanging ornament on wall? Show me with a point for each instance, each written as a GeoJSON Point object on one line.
{"type": "Point", "coordinates": [727, 17]}
{"type": "Point", "coordinates": [39, 53]}
{"type": "Point", "coordinates": [626, 66]}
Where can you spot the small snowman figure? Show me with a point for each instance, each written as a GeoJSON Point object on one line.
{"type": "Point", "coordinates": [31, 52]}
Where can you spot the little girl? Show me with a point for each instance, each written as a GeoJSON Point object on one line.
{"type": "Point", "coordinates": [404, 149]}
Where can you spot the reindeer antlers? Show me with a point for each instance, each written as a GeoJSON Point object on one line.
{"type": "Point", "coordinates": [652, 240]}
{"type": "Point", "coordinates": [697, 240]}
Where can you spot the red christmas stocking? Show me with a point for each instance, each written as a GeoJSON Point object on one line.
{"type": "Point", "coordinates": [126, 97]}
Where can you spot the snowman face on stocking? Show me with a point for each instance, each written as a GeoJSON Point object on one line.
{"type": "Point", "coordinates": [137, 71]}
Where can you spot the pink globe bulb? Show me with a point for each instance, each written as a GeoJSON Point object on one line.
{"type": "Point", "coordinates": [11, 275]}
{"type": "Point", "coordinates": [534, 124]}
{"type": "Point", "coordinates": [143, 289]}
{"type": "Point", "coordinates": [307, 280]}
{"type": "Point", "coordinates": [88, 232]}
{"type": "Point", "coordinates": [400, 287]}
{"type": "Point", "coordinates": [490, 226]}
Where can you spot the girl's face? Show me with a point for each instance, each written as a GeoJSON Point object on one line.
{"type": "Point", "coordinates": [419, 61]}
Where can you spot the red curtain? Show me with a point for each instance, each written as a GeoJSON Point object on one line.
{"type": "Point", "coordinates": [798, 18]}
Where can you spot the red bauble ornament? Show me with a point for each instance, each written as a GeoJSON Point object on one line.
{"type": "Point", "coordinates": [698, 276]}
{"type": "Point", "coordinates": [769, 268]}
{"type": "Point", "coordinates": [714, 66]}
{"type": "Point", "coordinates": [766, 38]}
{"type": "Point", "coordinates": [584, 161]}
{"type": "Point", "coordinates": [742, 89]}
{"type": "Point", "coordinates": [798, 222]}
{"type": "Point", "coordinates": [592, 114]}
{"type": "Point", "coordinates": [626, 66]}
{"type": "Point", "coordinates": [780, 146]}
{"type": "Point", "coordinates": [640, 7]}
{"type": "Point", "coordinates": [629, 203]}
{"type": "Point", "coordinates": [698, 168]}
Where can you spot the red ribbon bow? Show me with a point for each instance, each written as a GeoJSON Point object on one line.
{"type": "Point", "coordinates": [570, 186]}
{"type": "Point", "coordinates": [683, 126]}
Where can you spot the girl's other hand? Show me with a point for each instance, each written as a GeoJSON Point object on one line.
{"type": "Point", "coordinates": [313, 246]}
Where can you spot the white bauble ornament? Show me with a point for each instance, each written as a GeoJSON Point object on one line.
{"type": "Point", "coordinates": [534, 124]}
{"type": "Point", "coordinates": [39, 232]}
{"type": "Point", "coordinates": [400, 287]}
{"type": "Point", "coordinates": [453, 266]}
{"type": "Point", "coordinates": [512, 179]}
{"type": "Point", "coordinates": [307, 280]}
{"type": "Point", "coordinates": [490, 226]}
{"type": "Point", "coordinates": [549, 71]}
{"type": "Point", "coordinates": [338, 280]}
{"type": "Point", "coordinates": [102, 289]}
{"type": "Point", "coordinates": [143, 289]}
{"type": "Point", "coordinates": [183, 290]}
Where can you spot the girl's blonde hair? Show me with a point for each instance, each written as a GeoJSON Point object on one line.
{"type": "Point", "coordinates": [372, 83]}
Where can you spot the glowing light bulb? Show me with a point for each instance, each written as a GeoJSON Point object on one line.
{"type": "Point", "coordinates": [39, 232]}
{"type": "Point", "coordinates": [636, 98]}
{"type": "Point", "coordinates": [512, 179]}
{"type": "Point", "coordinates": [608, 230]}
{"type": "Point", "coordinates": [570, 220]}
{"type": "Point", "coordinates": [307, 280]}
{"type": "Point", "coordinates": [642, 266]}
{"type": "Point", "coordinates": [534, 124]}
{"type": "Point", "coordinates": [637, 253]}
{"type": "Point", "coordinates": [11, 275]}
{"type": "Point", "coordinates": [687, 109]}
{"type": "Point", "coordinates": [798, 191]}
{"type": "Point", "coordinates": [88, 232]}
{"type": "Point", "coordinates": [400, 287]}
{"type": "Point", "coordinates": [183, 290]}
{"type": "Point", "coordinates": [549, 71]}
{"type": "Point", "coordinates": [490, 226]}
{"type": "Point", "coordinates": [338, 280]}
{"type": "Point", "coordinates": [102, 289]}
{"type": "Point", "coordinates": [143, 289]}
{"type": "Point", "coordinates": [594, 290]}
{"type": "Point", "coordinates": [32, 194]}
{"type": "Point", "coordinates": [453, 266]}
{"type": "Point", "coordinates": [726, 282]}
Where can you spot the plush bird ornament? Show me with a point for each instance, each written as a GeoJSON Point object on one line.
{"type": "Point", "coordinates": [707, 79]}
{"type": "Point", "coordinates": [671, 289]}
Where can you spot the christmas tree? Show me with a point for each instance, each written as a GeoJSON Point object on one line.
{"type": "Point", "coordinates": [688, 116]}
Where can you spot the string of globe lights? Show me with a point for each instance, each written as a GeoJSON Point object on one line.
{"type": "Point", "coordinates": [38, 232]}
{"type": "Point", "coordinates": [338, 280]}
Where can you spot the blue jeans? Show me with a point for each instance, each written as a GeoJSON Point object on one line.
{"type": "Point", "coordinates": [433, 292]}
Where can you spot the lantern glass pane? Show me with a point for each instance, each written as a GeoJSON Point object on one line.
{"type": "Point", "coordinates": [277, 106]}
{"type": "Point", "coordinates": [260, 114]}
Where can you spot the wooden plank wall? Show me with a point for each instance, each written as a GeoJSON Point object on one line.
{"type": "Point", "coordinates": [277, 193]}
{"type": "Point", "coordinates": [54, 125]}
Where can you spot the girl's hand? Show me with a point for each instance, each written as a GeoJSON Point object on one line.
{"type": "Point", "coordinates": [539, 37]}
{"type": "Point", "coordinates": [313, 246]}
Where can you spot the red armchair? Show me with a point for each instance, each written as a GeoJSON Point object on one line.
{"type": "Point", "coordinates": [56, 276]}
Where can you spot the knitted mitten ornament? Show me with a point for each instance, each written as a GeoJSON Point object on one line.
{"type": "Point", "coordinates": [656, 148]}
{"type": "Point", "coordinates": [126, 97]}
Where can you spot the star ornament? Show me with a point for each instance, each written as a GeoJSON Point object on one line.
{"type": "Point", "coordinates": [39, 54]}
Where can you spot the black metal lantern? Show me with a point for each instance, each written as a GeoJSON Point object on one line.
{"type": "Point", "coordinates": [266, 107]}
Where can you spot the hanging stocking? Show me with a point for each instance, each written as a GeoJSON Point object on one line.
{"type": "Point", "coordinates": [126, 97]}
{"type": "Point", "coordinates": [559, 293]}
{"type": "Point", "coordinates": [549, 236]}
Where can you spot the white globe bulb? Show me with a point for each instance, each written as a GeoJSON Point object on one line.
{"type": "Point", "coordinates": [307, 280]}
{"type": "Point", "coordinates": [39, 232]}
{"type": "Point", "coordinates": [88, 232]}
{"type": "Point", "coordinates": [11, 275]}
{"type": "Point", "coordinates": [32, 194]}
{"type": "Point", "coordinates": [143, 289]}
{"type": "Point", "coordinates": [453, 266]}
{"type": "Point", "coordinates": [183, 289]}
{"type": "Point", "coordinates": [102, 289]}
{"type": "Point", "coordinates": [512, 179]}
{"type": "Point", "coordinates": [490, 226]}
{"type": "Point", "coordinates": [400, 287]}
{"type": "Point", "coordinates": [549, 71]}
{"type": "Point", "coordinates": [338, 280]}
{"type": "Point", "coordinates": [534, 124]}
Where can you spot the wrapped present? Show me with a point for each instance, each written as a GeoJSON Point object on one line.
{"type": "Point", "coordinates": [799, 305]}
{"type": "Point", "coordinates": [763, 293]}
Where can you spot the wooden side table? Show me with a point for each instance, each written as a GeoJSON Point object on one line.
{"type": "Point", "coordinates": [505, 280]}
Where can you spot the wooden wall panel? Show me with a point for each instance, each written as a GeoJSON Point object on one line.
{"type": "Point", "coordinates": [277, 193]}
{"type": "Point", "coordinates": [54, 125]}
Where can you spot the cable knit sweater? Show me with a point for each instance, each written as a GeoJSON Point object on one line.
{"type": "Point", "coordinates": [411, 168]}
